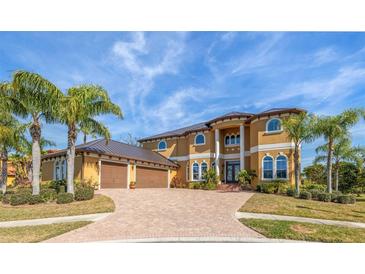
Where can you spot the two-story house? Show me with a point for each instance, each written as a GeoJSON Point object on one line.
{"type": "Point", "coordinates": [230, 143]}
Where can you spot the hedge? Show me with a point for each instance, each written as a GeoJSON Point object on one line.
{"type": "Point", "coordinates": [324, 197]}
{"type": "Point", "coordinates": [306, 195]}
{"type": "Point", "coordinates": [65, 198]}
{"type": "Point", "coordinates": [84, 193]}
{"type": "Point", "coordinates": [346, 199]}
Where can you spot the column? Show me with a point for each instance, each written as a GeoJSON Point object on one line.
{"type": "Point", "coordinates": [99, 166]}
{"type": "Point", "coordinates": [128, 174]}
{"type": "Point", "coordinates": [242, 147]}
{"type": "Point", "coordinates": [168, 178]}
{"type": "Point", "coordinates": [217, 152]}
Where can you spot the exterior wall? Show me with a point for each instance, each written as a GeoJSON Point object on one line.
{"type": "Point", "coordinates": [91, 168]}
{"type": "Point", "coordinates": [47, 170]}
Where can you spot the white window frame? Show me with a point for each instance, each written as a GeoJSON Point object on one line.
{"type": "Point", "coordinates": [158, 145]}
{"type": "Point", "coordinates": [274, 131]}
{"type": "Point", "coordinates": [234, 135]}
{"type": "Point", "coordinates": [273, 168]}
{"type": "Point", "coordinates": [287, 167]}
{"type": "Point", "coordinates": [192, 171]}
{"type": "Point", "coordinates": [199, 134]}
{"type": "Point", "coordinates": [201, 170]}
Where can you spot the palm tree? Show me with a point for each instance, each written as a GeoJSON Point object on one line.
{"type": "Point", "coordinates": [11, 134]}
{"type": "Point", "coordinates": [333, 128]}
{"type": "Point", "coordinates": [342, 151]}
{"type": "Point", "coordinates": [78, 110]}
{"type": "Point", "coordinates": [299, 129]}
{"type": "Point", "coordinates": [40, 98]}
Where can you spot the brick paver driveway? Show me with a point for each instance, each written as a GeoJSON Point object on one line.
{"type": "Point", "coordinates": [162, 213]}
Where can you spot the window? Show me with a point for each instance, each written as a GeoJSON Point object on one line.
{"type": "Point", "coordinates": [204, 168]}
{"type": "Point", "coordinates": [233, 140]}
{"type": "Point", "coordinates": [200, 139]}
{"type": "Point", "coordinates": [237, 139]}
{"type": "Point", "coordinates": [63, 169]}
{"type": "Point", "coordinates": [60, 170]}
{"type": "Point", "coordinates": [195, 172]}
{"type": "Point", "coordinates": [162, 145]}
{"type": "Point", "coordinates": [226, 140]}
{"type": "Point", "coordinates": [281, 167]}
{"type": "Point", "coordinates": [273, 125]}
{"type": "Point", "coordinates": [57, 171]}
{"type": "Point", "coordinates": [267, 168]}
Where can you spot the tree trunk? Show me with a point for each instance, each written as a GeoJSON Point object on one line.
{"type": "Point", "coordinates": [35, 132]}
{"type": "Point", "coordinates": [329, 166]}
{"type": "Point", "coordinates": [296, 169]}
{"type": "Point", "coordinates": [72, 135]}
{"type": "Point", "coordinates": [85, 138]}
{"type": "Point", "coordinates": [4, 171]}
{"type": "Point", "coordinates": [336, 177]}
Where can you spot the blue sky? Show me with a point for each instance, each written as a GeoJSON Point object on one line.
{"type": "Point", "coordinates": [164, 80]}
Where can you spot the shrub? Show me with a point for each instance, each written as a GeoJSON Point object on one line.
{"type": "Point", "coordinates": [48, 194]}
{"type": "Point", "coordinates": [65, 198]}
{"type": "Point", "coordinates": [210, 186]}
{"type": "Point", "coordinates": [259, 187]}
{"type": "Point", "coordinates": [290, 191]}
{"type": "Point", "coordinates": [86, 183]}
{"type": "Point", "coordinates": [6, 198]}
{"type": "Point", "coordinates": [315, 193]}
{"type": "Point", "coordinates": [310, 186]}
{"type": "Point", "coordinates": [1, 196]}
{"type": "Point", "coordinates": [324, 197]}
{"type": "Point", "coordinates": [283, 188]}
{"type": "Point", "coordinates": [346, 199]}
{"type": "Point", "coordinates": [58, 185]}
{"type": "Point", "coordinates": [23, 190]}
{"type": "Point", "coordinates": [20, 199]}
{"type": "Point", "coordinates": [178, 183]}
{"type": "Point", "coordinates": [35, 199]}
{"type": "Point", "coordinates": [210, 177]}
{"type": "Point", "coordinates": [195, 185]}
{"type": "Point", "coordinates": [306, 195]}
{"type": "Point", "coordinates": [270, 188]}
{"type": "Point", "coordinates": [334, 195]}
{"type": "Point", "coordinates": [84, 193]}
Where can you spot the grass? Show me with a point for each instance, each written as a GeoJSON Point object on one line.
{"type": "Point", "coordinates": [98, 204]}
{"type": "Point", "coordinates": [34, 234]}
{"type": "Point", "coordinates": [305, 231]}
{"type": "Point", "coordinates": [284, 205]}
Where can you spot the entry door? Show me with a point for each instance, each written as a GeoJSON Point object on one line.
{"type": "Point", "coordinates": [232, 169]}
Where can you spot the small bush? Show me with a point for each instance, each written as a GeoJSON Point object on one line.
{"type": "Point", "coordinates": [20, 199]}
{"type": "Point", "coordinates": [324, 197]}
{"type": "Point", "coordinates": [65, 198]}
{"type": "Point", "coordinates": [210, 186]}
{"type": "Point", "coordinates": [346, 199]}
{"type": "Point", "coordinates": [259, 187]}
{"type": "Point", "coordinates": [195, 185]}
{"type": "Point", "coordinates": [1, 196]}
{"type": "Point", "coordinates": [310, 186]}
{"type": "Point", "coordinates": [283, 188]}
{"type": "Point", "coordinates": [84, 193]}
{"type": "Point", "coordinates": [270, 188]}
{"type": "Point", "coordinates": [315, 193]}
{"type": "Point", "coordinates": [290, 192]}
{"type": "Point", "coordinates": [35, 199]}
{"type": "Point", "coordinates": [48, 194]}
{"type": "Point", "coordinates": [306, 195]}
{"type": "Point", "coordinates": [6, 198]}
{"type": "Point", "coordinates": [58, 185]}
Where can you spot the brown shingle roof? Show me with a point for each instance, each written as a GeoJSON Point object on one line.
{"type": "Point", "coordinates": [206, 125]}
{"type": "Point", "coordinates": [119, 149]}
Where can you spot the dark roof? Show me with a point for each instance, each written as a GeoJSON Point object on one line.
{"type": "Point", "coordinates": [118, 149]}
{"type": "Point", "coordinates": [178, 132]}
{"type": "Point", "coordinates": [206, 125]}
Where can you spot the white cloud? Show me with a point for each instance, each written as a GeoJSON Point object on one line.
{"type": "Point", "coordinates": [324, 55]}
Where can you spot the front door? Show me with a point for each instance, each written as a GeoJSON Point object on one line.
{"type": "Point", "coordinates": [232, 169]}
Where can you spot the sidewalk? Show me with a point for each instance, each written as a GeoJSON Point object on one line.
{"type": "Point", "coordinates": [249, 215]}
{"type": "Point", "coordinates": [55, 220]}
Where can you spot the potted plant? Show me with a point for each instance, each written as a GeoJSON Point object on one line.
{"type": "Point", "coordinates": [132, 185]}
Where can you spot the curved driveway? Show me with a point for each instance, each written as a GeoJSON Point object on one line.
{"type": "Point", "coordinates": [164, 213]}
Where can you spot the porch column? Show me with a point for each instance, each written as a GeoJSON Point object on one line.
{"type": "Point", "coordinates": [242, 147]}
{"type": "Point", "coordinates": [217, 152]}
{"type": "Point", "coordinates": [168, 178]}
{"type": "Point", "coordinates": [128, 174]}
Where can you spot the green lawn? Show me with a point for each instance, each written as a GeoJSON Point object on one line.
{"type": "Point", "coordinates": [33, 234]}
{"type": "Point", "coordinates": [305, 231]}
{"type": "Point", "coordinates": [98, 204]}
{"type": "Point", "coordinates": [284, 205]}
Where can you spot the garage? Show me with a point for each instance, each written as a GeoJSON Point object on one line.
{"type": "Point", "coordinates": [151, 178]}
{"type": "Point", "coordinates": [113, 175]}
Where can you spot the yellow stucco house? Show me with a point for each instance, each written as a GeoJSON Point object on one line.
{"type": "Point", "coordinates": [229, 143]}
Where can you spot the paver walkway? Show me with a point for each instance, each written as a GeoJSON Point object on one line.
{"type": "Point", "coordinates": [55, 220]}
{"type": "Point", "coordinates": [166, 213]}
{"type": "Point", "coordinates": [249, 215]}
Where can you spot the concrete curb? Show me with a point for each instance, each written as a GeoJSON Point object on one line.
{"type": "Point", "coordinates": [201, 240]}
{"type": "Point", "coordinates": [55, 220]}
{"type": "Point", "coordinates": [249, 215]}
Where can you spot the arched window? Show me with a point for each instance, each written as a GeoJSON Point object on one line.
{"type": "Point", "coordinates": [273, 125]}
{"type": "Point", "coordinates": [267, 167]}
{"type": "Point", "coordinates": [226, 140]}
{"type": "Point", "coordinates": [162, 145]}
{"type": "Point", "coordinates": [237, 139]}
{"type": "Point", "coordinates": [195, 172]}
{"type": "Point", "coordinates": [63, 169]}
{"type": "Point", "coordinates": [200, 139]}
{"type": "Point", "coordinates": [204, 168]}
{"type": "Point", "coordinates": [57, 170]}
{"type": "Point", "coordinates": [281, 167]}
{"type": "Point", "coordinates": [233, 140]}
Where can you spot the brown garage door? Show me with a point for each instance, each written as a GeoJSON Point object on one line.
{"type": "Point", "coordinates": [113, 175]}
{"type": "Point", "coordinates": [151, 178]}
